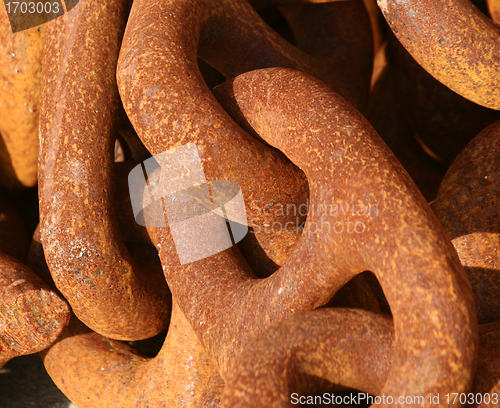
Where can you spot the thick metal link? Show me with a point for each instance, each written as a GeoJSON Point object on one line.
{"type": "Point", "coordinates": [32, 316]}
{"type": "Point", "coordinates": [240, 335]}
{"type": "Point", "coordinates": [343, 147]}
{"type": "Point", "coordinates": [20, 70]}
{"type": "Point", "coordinates": [350, 348]}
{"type": "Point", "coordinates": [474, 228]}
{"type": "Point", "coordinates": [87, 258]}
{"type": "Point", "coordinates": [453, 41]}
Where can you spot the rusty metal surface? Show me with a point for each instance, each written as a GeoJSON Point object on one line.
{"type": "Point", "coordinates": [225, 304]}
{"type": "Point", "coordinates": [346, 347]}
{"type": "Point", "coordinates": [21, 58]}
{"type": "Point", "coordinates": [389, 310]}
{"type": "Point", "coordinates": [86, 256]}
{"type": "Point", "coordinates": [94, 371]}
{"type": "Point", "coordinates": [153, 104]}
{"type": "Point", "coordinates": [468, 206]}
{"type": "Point", "coordinates": [456, 43]}
{"type": "Point", "coordinates": [109, 373]}
{"type": "Point", "coordinates": [32, 316]}
{"type": "Point", "coordinates": [241, 42]}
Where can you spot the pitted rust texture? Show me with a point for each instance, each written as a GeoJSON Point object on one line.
{"type": "Point", "coordinates": [453, 41]}
{"type": "Point", "coordinates": [356, 293]}
{"type": "Point", "coordinates": [32, 316]}
{"type": "Point", "coordinates": [86, 256]}
{"type": "Point", "coordinates": [231, 318]}
{"type": "Point", "coordinates": [468, 206]}
{"type": "Point", "coordinates": [97, 372]}
{"type": "Point", "coordinates": [21, 56]}
{"type": "Point", "coordinates": [346, 347]}
{"type": "Point", "coordinates": [108, 373]}
{"type": "Point", "coordinates": [227, 307]}
{"type": "Point", "coordinates": [169, 104]}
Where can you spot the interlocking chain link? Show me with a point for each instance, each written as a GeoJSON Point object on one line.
{"type": "Point", "coordinates": [371, 288]}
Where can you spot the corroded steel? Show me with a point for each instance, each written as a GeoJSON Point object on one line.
{"type": "Point", "coordinates": [91, 370]}
{"type": "Point", "coordinates": [453, 41]}
{"type": "Point", "coordinates": [107, 373]}
{"type": "Point", "coordinates": [32, 316]}
{"type": "Point", "coordinates": [254, 323]}
{"type": "Point", "coordinates": [21, 56]}
{"type": "Point", "coordinates": [227, 307]}
{"type": "Point", "coordinates": [346, 347]}
{"type": "Point", "coordinates": [468, 206]}
{"type": "Point", "coordinates": [494, 9]}
{"type": "Point", "coordinates": [158, 78]}
{"type": "Point", "coordinates": [85, 253]}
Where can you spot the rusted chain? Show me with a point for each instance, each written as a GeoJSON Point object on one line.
{"type": "Point", "coordinates": [474, 230]}
{"type": "Point", "coordinates": [226, 319]}
{"type": "Point", "coordinates": [94, 371]}
{"type": "Point", "coordinates": [468, 206]}
{"type": "Point", "coordinates": [106, 373]}
{"type": "Point", "coordinates": [453, 41]}
{"type": "Point", "coordinates": [21, 56]}
{"type": "Point", "coordinates": [86, 256]}
{"type": "Point", "coordinates": [348, 348]}
{"type": "Point", "coordinates": [32, 316]}
{"type": "Point", "coordinates": [227, 308]}
{"type": "Point", "coordinates": [242, 42]}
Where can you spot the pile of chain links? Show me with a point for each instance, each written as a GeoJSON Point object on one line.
{"type": "Point", "coordinates": [379, 118]}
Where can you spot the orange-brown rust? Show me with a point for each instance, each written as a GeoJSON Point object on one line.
{"type": "Point", "coordinates": [87, 258]}
{"type": "Point", "coordinates": [107, 373]}
{"type": "Point", "coordinates": [346, 347]}
{"type": "Point", "coordinates": [453, 41]}
{"type": "Point", "coordinates": [468, 206]}
{"type": "Point", "coordinates": [21, 56]}
{"type": "Point", "coordinates": [494, 9]}
{"type": "Point", "coordinates": [158, 78]}
{"type": "Point", "coordinates": [32, 316]}
{"type": "Point", "coordinates": [402, 243]}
